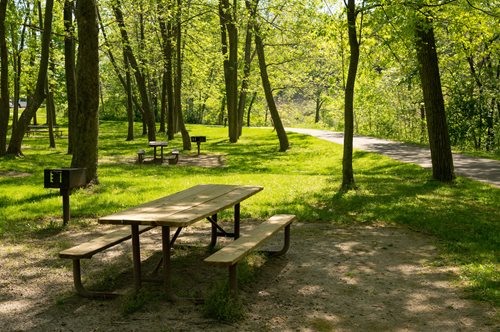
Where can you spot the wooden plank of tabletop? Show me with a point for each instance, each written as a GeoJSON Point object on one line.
{"type": "Point", "coordinates": [159, 211]}
{"type": "Point", "coordinates": [210, 207]}
{"type": "Point", "coordinates": [165, 206]}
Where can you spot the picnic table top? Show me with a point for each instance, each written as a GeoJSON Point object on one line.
{"type": "Point", "coordinates": [185, 207]}
{"type": "Point", "coordinates": [158, 143]}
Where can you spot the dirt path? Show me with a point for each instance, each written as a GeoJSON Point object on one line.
{"type": "Point", "coordinates": [360, 278]}
{"type": "Point", "coordinates": [480, 169]}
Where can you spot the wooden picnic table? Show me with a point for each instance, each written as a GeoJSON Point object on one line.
{"type": "Point", "coordinates": [181, 210]}
{"type": "Point", "coordinates": [156, 144]}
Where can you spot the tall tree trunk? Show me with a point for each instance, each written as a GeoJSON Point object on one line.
{"type": "Point", "coordinates": [69, 69]}
{"type": "Point", "coordinates": [87, 75]}
{"type": "Point", "coordinates": [163, 103]}
{"type": "Point", "coordinates": [442, 159]}
{"type": "Point", "coordinates": [278, 125]}
{"type": "Point", "coordinates": [254, 95]}
{"type": "Point", "coordinates": [141, 81]}
{"type": "Point", "coordinates": [229, 38]}
{"type": "Point", "coordinates": [347, 170]}
{"type": "Point", "coordinates": [50, 108]}
{"type": "Point", "coordinates": [130, 101]}
{"type": "Point", "coordinates": [242, 100]}
{"type": "Point", "coordinates": [4, 80]}
{"type": "Point", "coordinates": [186, 141]}
{"type": "Point", "coordinates": [126, 82]}
{"type": "Point", "coordinates": [39, 94]}
{"type": "Point", "coordinates": [17, 64]}
{"type": "Point", "coordinates": [166, 34]}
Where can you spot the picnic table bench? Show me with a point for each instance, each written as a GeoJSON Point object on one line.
{"type": "Point", "coordinates": [88, 249]}
{"type": "Point", "coordinates": [230, 255]}
{"type": "Point", "coordinates": [172, 159]}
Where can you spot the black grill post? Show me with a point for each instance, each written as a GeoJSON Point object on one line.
{"type": "Point", "coordinates": [198, 140]}
{"type": "Point", "coordinates": [65, 179]}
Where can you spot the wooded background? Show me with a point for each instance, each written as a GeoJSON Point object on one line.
{"type": "Point", "coordinates": [358, 66]}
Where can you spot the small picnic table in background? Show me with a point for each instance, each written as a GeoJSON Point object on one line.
{"type": "Point", "coordinates": [156, 144]}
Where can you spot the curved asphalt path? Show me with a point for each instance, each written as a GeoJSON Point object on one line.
{"type": "Point", "coordinates": [480, 169]}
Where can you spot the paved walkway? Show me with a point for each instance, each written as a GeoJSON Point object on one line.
{"type": "Point", "coordinates": [480, 169]}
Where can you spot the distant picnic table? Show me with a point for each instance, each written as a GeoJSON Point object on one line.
{"type": "Point", "coordinates": [34, 129]}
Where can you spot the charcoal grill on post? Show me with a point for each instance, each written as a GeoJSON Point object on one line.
{"type": "Point", "coordinates": [198, 140]}
{"type": "Point", "coordinates": [65, 179]}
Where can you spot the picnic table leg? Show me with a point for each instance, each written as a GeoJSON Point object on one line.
{"type": "Point", "coordinates": [77, 279]}
{"type": "Point", "coordinates": [136, 254]}
{"type": "Point", "coordinates": [237, 221]}
{"type": "Point", "coordinates": [213, 241]}
{"type": "Point", "coordinates": [154, 153]}
{"type": "Point", "coordinates": [165, 243]}
{"type": "Point", "coordinates": [233, 280]}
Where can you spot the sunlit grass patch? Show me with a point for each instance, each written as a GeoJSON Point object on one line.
{"type": "Point", "coordinates": [464, 216]}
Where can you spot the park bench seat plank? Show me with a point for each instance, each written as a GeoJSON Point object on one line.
{"type": "Point", "coordinates": [90, 248]}
{"type": "Point", "coordinates": [236, 250]}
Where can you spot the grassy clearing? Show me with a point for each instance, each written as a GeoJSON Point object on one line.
{"type": "Point", "coordinates": [464, 216]}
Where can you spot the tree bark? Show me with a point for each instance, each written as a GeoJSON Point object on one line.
{"type": "Point", "coordinates": [186, 141]}
{"type": "Point", "coordinates": [69, 69]}
{"type": "Point", "coordinates": [87, 75]}
{"type": "Point", "coordinates": [4, 80]}
{"type": "Point", "coordinates": [278, 125]}
{"type": "Point", "coordinates": [39, 94]}
{"type": "Point", "coordinates": [229, 38]}
{"type": "Point", "coordinates": [166, 33]}
{"type": "Point", "coordinates": [148, 114]}
{"type": "Point", "coordinates": [254, 95]}
{"type": "Point", "coordinates": [17, 64]}
{"type": "Point", "coordinates": [347, 169]}
{"type": "Point", "coordinates": [242, 100]}
{"type": "Point", "coordinates": [126, 82]}
{"type": "Point", "coordinates": [442, 159]}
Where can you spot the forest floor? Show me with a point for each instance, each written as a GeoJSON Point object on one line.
{"type": "Point", "coordinates": [333, 278]}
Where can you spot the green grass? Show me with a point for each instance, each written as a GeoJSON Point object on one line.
{"type": "Point", "coordinates": [463, 216]}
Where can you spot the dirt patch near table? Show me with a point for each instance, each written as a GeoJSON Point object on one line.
{"type": "Point", "coordinates": [359, 278]}
{"type": "Point", "coordinates": [202, 160]}
{"type": "Point", "coordinates": [13, 174]}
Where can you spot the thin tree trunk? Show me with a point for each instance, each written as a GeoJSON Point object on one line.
{"type": "Point", "coordinates": [229, 38]}
{"type": "Point", "coordinates": [254, 95]}
{"type": "Point", "coordinates": [242, 100]}
{"type": "Point", "coordinates": [39, 93]}
{"type": "Point", "coordinates": [347, 170]}
{"type": "Point", "coordinates": [130, 101]}
{"type": "Point", "coordinates": [166, 33]}
{"type": "Point", "coordinates": [126, 82]}
{"type": "Point", "coordinates": [141, 81]}
{"type": "Point", "coordinates": [87, 74]}
{"type": "Point", "coordinates": [17, 65]}
{"type": "Point", "coordinates": [442, 159]}
{"type": "Point", "coordinates": [4, 80]}
{"type": "Point", "coordinates": [186, 141]}
{"type": "Point", "coordinates": [50, 108]}
{"type": "Point", "coordinates": [163, 102]}
{"type": "Point", "coordinates": [278, 125]}
{"type": "Point", "coordinates": [70, 71]}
